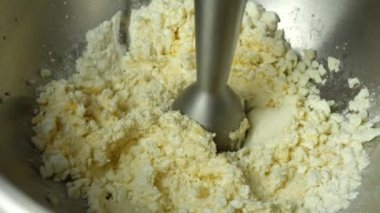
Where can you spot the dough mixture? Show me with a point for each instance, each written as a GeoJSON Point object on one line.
{"type": "Point", "coordinates": [109, 134]}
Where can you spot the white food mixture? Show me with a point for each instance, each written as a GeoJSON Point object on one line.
{"type": "Point", "coordinates": [108, 131]}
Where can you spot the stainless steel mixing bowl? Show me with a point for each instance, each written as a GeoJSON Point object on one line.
{"type": "Point", "coordinates": [50, 34]}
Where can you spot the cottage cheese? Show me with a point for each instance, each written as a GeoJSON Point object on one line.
{"type": "Point", "coordinates": [45, 73]}
{"type": "Point", "coordinates": [109, 133]}
{"type": "Point", "coordinates": [352, 82]}
{"type": "Point", "coordinates": [333, 64]}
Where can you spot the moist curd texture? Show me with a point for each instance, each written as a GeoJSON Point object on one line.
{"type": "Point", "coordinates": [108, 131]}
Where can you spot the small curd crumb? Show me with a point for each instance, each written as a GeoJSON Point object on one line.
{"type": "Point", "coordinates": [45, 73]}
{"type": "Point", "coordinates": [352, 82]}
{"type": "Point", "coordinates": [238, 136]}
{"type": "Point", "coordinates": [333, 64]}
{"type": "Point", "coordinates": [310, 54]}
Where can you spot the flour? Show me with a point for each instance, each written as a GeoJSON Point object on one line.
{"type": "Point", "coordinates": [109, 130]}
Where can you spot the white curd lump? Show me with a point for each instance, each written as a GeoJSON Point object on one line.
{"type": "Point", "coordinates": [109, 133]}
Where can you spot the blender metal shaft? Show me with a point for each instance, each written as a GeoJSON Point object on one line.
{"type": "Point", "coordinates": [210, 101]}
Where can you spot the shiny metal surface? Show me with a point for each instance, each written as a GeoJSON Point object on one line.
{"type": "Point", "coordinates": [36, 33]}
{"type": "Point", "coordinates": [210, 101]}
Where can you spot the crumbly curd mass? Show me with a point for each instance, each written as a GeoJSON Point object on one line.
{"type": "Point", "coordinates": [108, 131]}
